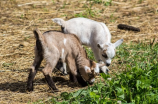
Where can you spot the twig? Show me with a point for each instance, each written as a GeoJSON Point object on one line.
{"type": "Point", "coordinates": [13, 54]}
{"type": "Point", "coordinates": [5, 70]}
{"type": "Point", "coordinates": [25, 4]}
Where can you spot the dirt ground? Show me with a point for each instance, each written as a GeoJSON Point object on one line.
{"type": "Point", "coordinates": [19, 17]}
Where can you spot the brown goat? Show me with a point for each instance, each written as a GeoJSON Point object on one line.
{"type": "Point", "coordinates": [55, 46]}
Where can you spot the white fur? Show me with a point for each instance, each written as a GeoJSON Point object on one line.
{"type": "Point", "coordinates": [92, 81]}
{"type": "Point", "coordinates": [97, 68]}
{"type": "Point", "coordinates": [65, 41]}
{"type": "Point", "coordinates": [58, 21]}
{"type": "Point", "coordinates": [87, 69]}
{"type": "Point", "coordinates": [64, 66]}
{"type": "Point", "coordinates": [108, 61]}
{"type": "Point", "coordinates": [105, 69]}
{"type": "Point", "coordinates": [62, 54]}
{"type": "Point", "coordinates": [91, 33]}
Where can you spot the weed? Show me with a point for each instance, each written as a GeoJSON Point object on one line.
{"type": "Point", "coordinates": [34, 6]}
{"type": "Point", "coordinates": [136, 85]}
{"type": "Point", "coordinates": [63, 5]}
{"type": "Point", "coordinates": [89, 12]}
{"type": "Point", "coordinates": [45, 9]}
{"type": "Point", "coordinates": [79, 15]}
{"type": "Point", "coordinates": [26, 38]}
{"type": "Point", "coordinates": [7, 64]}
{"type": "Point", "coordinates": [53, 1]}
{"type": "Point", "coordinates": [140, 1]}
{"type": "Point", "coordinates": [22, 16]}
{"type": "Point", "coordinates": [89, 53]}
{"type": "Point", "coordinates": [112, 18]}
{"type": "Point", "coordinates": [108, 3]}
{"type": "Point", "coordinates": [97, 1]}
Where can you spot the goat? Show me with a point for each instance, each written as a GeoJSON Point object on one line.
{"type": "Point", "coordinates": [93, 34]}
{"type": "Point", "coordinates": [55, 46]}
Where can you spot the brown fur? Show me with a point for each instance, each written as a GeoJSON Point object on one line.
{"type": "Point", "coordinates": [74, 55]}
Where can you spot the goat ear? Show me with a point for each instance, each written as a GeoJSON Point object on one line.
{"type": "Point", "coordinates": [117, 43]}
{"type": "Point", "coordinates": [87, 69]}
{"type": "Point", "coordinates": [100, 46]}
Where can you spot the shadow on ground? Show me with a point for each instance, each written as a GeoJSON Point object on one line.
{"type": "Point", "coordinates": [20, 86]}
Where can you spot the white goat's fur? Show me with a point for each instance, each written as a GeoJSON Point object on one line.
{"type": "Point", "coordinates": [93, 34]}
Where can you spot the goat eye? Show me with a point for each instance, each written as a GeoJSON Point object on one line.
{"type": "Point", "coordinates": [105, 56]}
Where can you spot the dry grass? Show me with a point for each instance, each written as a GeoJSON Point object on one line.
{"type": "Point", "coordinates": [19, 17]}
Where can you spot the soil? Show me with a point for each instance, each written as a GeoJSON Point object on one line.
{"type": "Point", "coordinates": [18, 18]}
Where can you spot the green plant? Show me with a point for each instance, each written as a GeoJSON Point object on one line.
{"type": "Point", "coordinates": [97, 1]}
{"type": "Point", "coordinates": [63, 5]}
{"type": "Point", "coordinates": [80, 15]}
{"type": "Point", "coordinates": [7, 64]}
{"type": "Point", "coordinates": [89, 53]}
{"type": "Point", "coordinates": [34, 6]}
{"type": "Point", "coordinates": [45, 9]}
{"type": "Point", "coordinates": [112, 18]}
{"type": "Point", "coordinates": [26, 38]}
{"type": "Point", "coordinates": [140, 1]}
{"type": "Point", "coordinates": [137, 84]}
{"type": "Point", "coordinates": [22, 16]}
{"type": "Point", "coordinates": [53, 1]}
{"type": "Point", "coordinates": [108, 3]}
{"type": "Point", "coordinates": [89, 12]}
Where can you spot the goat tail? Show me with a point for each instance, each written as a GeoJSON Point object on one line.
{"type": "Point", "coordinates": [59, 21]}
{"type": "Point", "coordinates": [127, 27]}
{"type": "Point", "coordinates": [39, 37]}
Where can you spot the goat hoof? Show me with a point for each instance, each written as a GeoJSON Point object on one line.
{"type": "Point", "coordinates": [65, 74]}
{"type": "Point", "coordinates": [77, 84]}
{"type": "Point", "coordinates": [71, 80]}
{"type": "Point", "coordinates": [30, 89]}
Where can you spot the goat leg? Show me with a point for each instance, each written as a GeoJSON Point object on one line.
{"type": "Point", "coordinates": [73, 69]}
{"type": "Point", "coordinates": [47, 73]}
{"type": "Point", "coordinates": [37, 61]}
{"type": "Point", "coordinates": [30, 80]}
{"type": "Point", "coordinates": [51, 83]}
{"type": "Point", "coordinates": [73, 78]}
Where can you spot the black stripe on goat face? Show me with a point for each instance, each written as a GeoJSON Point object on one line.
{"type": "Point", "coordinates": [105, 55]}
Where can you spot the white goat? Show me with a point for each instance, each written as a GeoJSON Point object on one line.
{"type": "Point", "coordinates": [93, 34]}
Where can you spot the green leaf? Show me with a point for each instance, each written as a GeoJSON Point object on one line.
{"type": "Point", "coordinates": [100, 85]}
{"type": "Point", "coordinates": [66, 95]}
{"type": "Point", "coordinates": [138, 84]}
{"type": "Point", "coordinates": [120, 92]}
{"type": "Point", "coordinates": [105, 76]}
{"type": "Point", "coordinates": [92, 94]}
{"type": "Point", "coordinates": [77, 93]}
